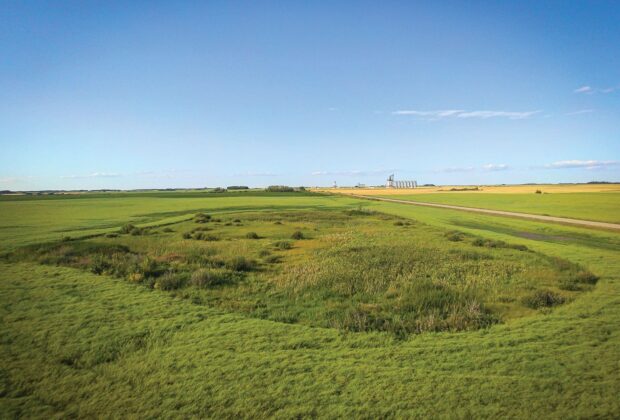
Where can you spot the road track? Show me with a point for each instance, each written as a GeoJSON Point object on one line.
{"type": "Point", "coordinates": [538, 217]}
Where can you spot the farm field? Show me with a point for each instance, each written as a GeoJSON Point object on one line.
{"type": "Point", "coordinates": [597, 206]}
{"type": "Point", "coordinates": [255, 304]}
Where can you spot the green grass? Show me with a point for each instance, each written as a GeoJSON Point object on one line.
{"type": "Point", "coordinates": [75, 343]}
{"type": "Point", "coordinates": [600, 206]}
{"type": "Point", "coordinates": [28, 219]}
{"type": "Point", "coordinates": [351, 270]}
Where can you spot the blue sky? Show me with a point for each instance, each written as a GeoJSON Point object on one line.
{"type": "Point", "coordinates": [190, 94]}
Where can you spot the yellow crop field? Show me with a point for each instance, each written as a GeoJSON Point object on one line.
{"type": "Point", "coordinates": [482, 189]}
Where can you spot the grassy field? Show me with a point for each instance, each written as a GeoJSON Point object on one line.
{"type": "Point", "coordinates": [571, 201]}
{"type": "Point", "coordinates": [121, 324]}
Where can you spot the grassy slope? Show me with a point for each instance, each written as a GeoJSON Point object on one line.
{"type": "Point", "coordinates": [155, 354]}
{"type": "Point", "coordinates": [27, 220]}
{"type": "Point", "coordinates": [602, 207]}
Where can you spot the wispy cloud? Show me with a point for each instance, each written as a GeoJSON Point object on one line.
{"type": "Point", "coordinates": [494, 114]}
{"type": "Point", "coordinates": [583, 164]}
{"type": "Point", "coordinates": [93, 175]}
{"type": "Point", "coordinates": [581, 111]}
{"type": "Point", "coordinates": [459, 113]}
{"type": "Point", "coordinates": [456, 169]}
{"type": "Point", "coordinates": [258, 174]}
{"type": "Point", "coordinates": [486, 167]}
{"type": "Point", "coordinates": [590, 90]}
{"type": "Point", "coordinates": [430, 114]}
{"type": "Point", "coordinates": [495, 167]}
{"type": "Point", "coordinates": [10, 180]}
{"type": "Point", "coordinates": [354, 172]}
{"type": "Point", "coordinates": [167, 174]}
{"type": "Point", "coordinates": [161, 174]}
{"type": "Point", "coordinates": [583, 89]}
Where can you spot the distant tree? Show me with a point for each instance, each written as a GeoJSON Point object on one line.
{"type": "Point", "coordinates": [279, 188]}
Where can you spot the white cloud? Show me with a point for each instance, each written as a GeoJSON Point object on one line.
{"type": "Point", "coordinates": [581, 111]}
{"type": "Point", "coordinates": [493, 114]}
{"type": "Point", "coordinates": [459, 113]}
{"type": "Point", "coordinates": [457, 169]}
{"type": "Point", "coordinates": [583, 164]}
{"type": "Point", "coordinates": [583, 89]}
{"type": "Point", "coordinates": [93, 175]}
{"type": "Point", "coordinates": [431, 114]}
{"type": "Point", "coordinates": [590, 90]}
{"type": "Point", "coordinates": [256, 174]}
{"type": "Point", "coordinates": [487, 167]}
{"type": "Point", "coordinates": [495, 167]}
{"type": "Point", "coordinates": [354, 172]}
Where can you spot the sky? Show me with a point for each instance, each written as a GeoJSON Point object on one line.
{"type": "Point", "coordinates": [104, 94]}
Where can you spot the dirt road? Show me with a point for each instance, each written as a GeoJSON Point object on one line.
{"type": "Point", "coordinates": [577, 222]}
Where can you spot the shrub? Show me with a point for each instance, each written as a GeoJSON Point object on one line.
{"type": "Point", "coordinates": [586, 277]}
{"type": "Point", "coordinates": [206, 278]}
{"type": "Point", "coordinates": [202, 218]}
{"type": "Point", "coordinates": [252, 235]}
{"type": "Point", "coordinates": [277, 222]}
{"type": "Point", "coordinates": [574, 282]}
{"type": "Point", "coordinates": [187, 235]}
{"type": "Point", "coordinates": [111, 235]}
{"type": "Point", "coordinates": [569, 284]}
{"type": "Point", "coordinates": [454, 236]}
{"type": "Point", "coordinates": [237, 187]}
{"type": "Point", "coordinates": [399, 223]}
{"type": "Point", "coordinates": [128, 228]}
{"type": "Point", "coordinates": [283, 245]}
{"type": "Point", "coordinates": [494, 244]}
{"type": "Point", "coordinates": [167, 230]}
{"type": "Point", "coordinates": [538, 192]}
{"type": "Point", "coordinates": [170, 281]}
{"type": "Point", "coordinates": [237, 221]}
{"type": "Point", "coordinates": [136, 231]}
{"type": "Point", "coordinates": [518, 247]}
{"type": "Point", "coordinates": [99, 264]}
{"type": "Point", "coordinates": [543, 299]}
{"type": "Point", "coordinates": [297, 235]}
{"type": "Point", "coordinates": [271, 259]}
{"type": "Point", "coordinates": [149, 267]}
{"type": "Point", "coordinates": [360, 211]}
{"type": "Point", "coordinates": [201, 229]}
{"type": "Point", "coordinates": [489, 243]}
{"type": "Point", "coordinates": [240, 263]}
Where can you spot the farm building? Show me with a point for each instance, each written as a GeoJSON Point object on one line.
{"type": "Point", "coordinates": [392, 183]}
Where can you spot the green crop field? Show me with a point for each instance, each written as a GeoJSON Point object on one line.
{"type": "Point", "coordinates": [598, 206]}
{"type": "Point", "coordinates": [249, 304]}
